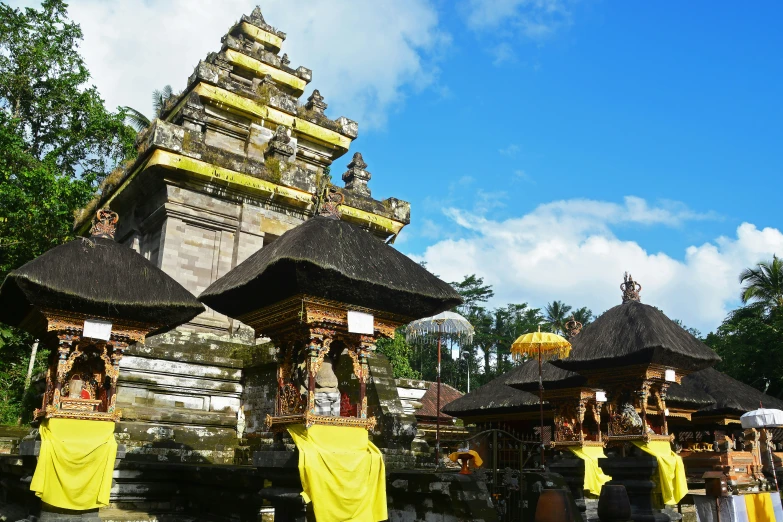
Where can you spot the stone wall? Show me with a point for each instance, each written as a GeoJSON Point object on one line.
{"type": "Point", "coordinates": [415, 496]}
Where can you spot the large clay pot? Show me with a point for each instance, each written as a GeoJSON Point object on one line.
{"type": "Point", "coordinates": [613, 504]}
{"type": "Point", "coordinates": [555, 505]}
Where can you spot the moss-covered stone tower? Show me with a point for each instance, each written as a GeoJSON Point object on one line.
{"type": "Point", "coordinates": [230, 164]}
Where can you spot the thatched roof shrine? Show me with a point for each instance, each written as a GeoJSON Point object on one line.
{"type": "Point", "coordinates": [636, 333]}
{"type": "Point", "coordinates": [729, 396]}
{"type": "Point", "coordinates": [525, 377]}
{"type": "Point", "coordinates": [335, 260]}
{"type": "Point", "coordinates": [96, 276]}
{"type": "Point", "coordinates": [494, 398]}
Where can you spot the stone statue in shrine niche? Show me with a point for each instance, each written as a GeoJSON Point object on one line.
{"type": "Point", "coordinates": [327, 394]}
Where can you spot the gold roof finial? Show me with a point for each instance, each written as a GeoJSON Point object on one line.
{"type": "Point", "coordinates": [630, 289]}
{"type": "Point", "coordinates": [104, 224]}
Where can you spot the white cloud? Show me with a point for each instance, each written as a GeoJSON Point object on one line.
{"type": "Point", "coordinates": [521, 175]}
{"type": "Point", "coordinates": [534, 19]}
{"type": "Point", "coordinates": [503, 53]}
{"type": "Point", "coordinates": [364, 55]}
{"type": "Point", "coordinates": [511, 150]}
{"type": "Point", "coordinates": [566, 250]}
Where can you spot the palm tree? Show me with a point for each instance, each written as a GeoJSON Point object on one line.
{"type": "Point", "coordinates": [763, 284]}
{"type": "Point", "coordinates": [583, 315]}
{"type": "Point", "coordinates": [137, 119]}
{"type": "Point", "coordinates": [557, 315]}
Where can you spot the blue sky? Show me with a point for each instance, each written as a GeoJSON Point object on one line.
{"type": "Point", "coordinates": [547, 145]}
{"type": "Point", "coordinates": [678, 104]}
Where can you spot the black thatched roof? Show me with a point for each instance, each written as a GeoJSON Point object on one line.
{"type": "Point", "coordinates": [96, 276]}
{"type": "Point", "coordinates": [491, 399]}
{"type": "Point", "coordinates": [688, 394]}
{"type": "Point", "coordinates": [730, 395]}
{"type": "Point", "coordinates": [525, 377]}
{"type": "Point", "coordinates": [636, 333]}
{"type": "Point", "coordinates": [332, 259]}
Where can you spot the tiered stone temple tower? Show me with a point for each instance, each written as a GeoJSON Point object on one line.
{"type": "Point", "coordinates": [232, 163]}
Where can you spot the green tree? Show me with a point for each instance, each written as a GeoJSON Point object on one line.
{"type": "Point", "coordinates": [473, 292]}
{"type": "Point", "coordinates": [138, 120]}
{"type": "Point", "coordinates": [57, 142]}
{"type": "Point", "coordinates": [583, 315]}
{"type": "Point", "coordinates": [750, 345]}
{"type": "Point", "coordinates": [400, 355]}
{"type": "Point", "coordinates": [14, 361]}
{"type": "Point", "coordinates": [762, 285]}
{"type": "Point", "coordinates": [556, 314]}
{"type": "Point", "coordinates": [750, 339]}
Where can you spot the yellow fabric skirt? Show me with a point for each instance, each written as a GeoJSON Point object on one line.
{"type": "Point", "coordinates": [342, 473]}
{"type": "Point", "coordinates": [671, 470]}
{"type": "Point", "coordinates": [76, 462]}
{"type": "Point", "coordinates": [759, 507]}
{"type": "Point", "coordinates": [594, 477]}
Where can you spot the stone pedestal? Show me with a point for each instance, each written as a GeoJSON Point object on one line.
{"type": "Point", "coordinates": [635, 473]}
{"type": "Point", "coordinates": [572, 468]}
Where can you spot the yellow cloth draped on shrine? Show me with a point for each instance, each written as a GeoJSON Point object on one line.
{"type": "Point", "coordinates": [759, 507]}
{"type": "Point", "coordinates": [75, 464]}
{"type": "Point", "coordinates": [671, 470]}
{"type": "Point", "coordinates": [594, 477]}
{"type": "Point", "coordinates": [342, 473]}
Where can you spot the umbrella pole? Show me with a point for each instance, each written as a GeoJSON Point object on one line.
{"type": "Point", "coordinates": [770, 448]}
{"type": "Point", "coordinates": [541, 406]}
{"type": "Point", "coordinates": [437, 411]}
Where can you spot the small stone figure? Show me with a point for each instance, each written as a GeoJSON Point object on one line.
{"type": "Point", "coordinates": [241, 424]}
{"type": "Point", "coordinates": [327, 395]}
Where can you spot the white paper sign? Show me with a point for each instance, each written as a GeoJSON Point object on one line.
{"type": "Point", "coordinates": [97, 329]}
{"type": "Point", "coordinates": [670, 376]}
{"type": "Point", "coordinates": [360, 323]}
{"type": "Point", "coordinates": [600, 396]}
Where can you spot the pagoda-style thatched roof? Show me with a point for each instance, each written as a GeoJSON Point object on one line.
{"type": "Point", "coordinates": [688, 394]}
{"type": "Point", "coordinates": [525, 377]}
{"type": "Point", "coordinates": [636, 333]}
{"type": "Point", "coordinates": [492, 399]}
{"type": "Point", "coordinates": [96, 277]}
{"type": "Point", "coordinates": [335, 260]}
{"type": "Point", "coordinates": [730, 396]}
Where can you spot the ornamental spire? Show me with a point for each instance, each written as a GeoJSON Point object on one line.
{"type": "Point", "coordinates": [356, 177]}
{"type": "Point", "coordinates": [104, 224]}
{"type": "Point", "coordinates": [630, 289]}
{"type": "Point", "coordinates": [573, 327]}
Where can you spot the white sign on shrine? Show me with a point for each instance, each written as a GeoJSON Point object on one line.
{"type": "Point", "coordinates": [97, 329]}
{"type": "Point", "coordinates": [360, 323]}
{"type": "Point", "coordinates": [670, 376]}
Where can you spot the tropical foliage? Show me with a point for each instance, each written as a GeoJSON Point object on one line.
{"type": "Point", "coordinates": [57, 142]}
{"type": "Point", "coordinates": [138, 120]}
{"type": "Point", "coordinates": [489, 355]}
{"type": "Point", "coordinates": [750, 339]}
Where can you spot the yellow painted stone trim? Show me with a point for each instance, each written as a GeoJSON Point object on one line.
{"type": "Point", "coordinates": [261, 36]}
{"type": "Point", "coordinates": [213, 173]}
{"type": "Point", "coordinates": [329, 136]}
{"type": "Point", "coordinates": [222, 97]}
{"type": "Point", "coordinates": [390, 225]}
{"type": "Point", "coordinates": [263, 69]}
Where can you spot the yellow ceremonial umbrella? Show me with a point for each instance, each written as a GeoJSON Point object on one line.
{"type": "Point", "coordinates": [550, 346]}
